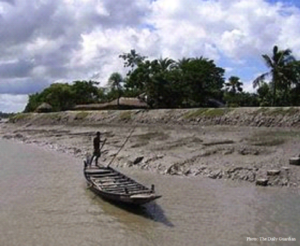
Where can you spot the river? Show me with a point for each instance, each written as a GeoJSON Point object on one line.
{"type": "Point", "coordinates": [44, 201]}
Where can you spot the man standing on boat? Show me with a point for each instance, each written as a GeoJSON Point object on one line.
{"type": "Point", "coordinates": [97, 150]}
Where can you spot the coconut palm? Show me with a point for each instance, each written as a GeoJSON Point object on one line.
{"type": "Point", "coordinates": [114, 82]}
{"type": "Point", "coordinates": [234, 84]}
{"type": "Point", "coordinates": [162, 65]}
{"type": "Point", "coordinates": [181, 62]}
{"type": "Point", "coordinates": [281, 71]}
{"type": "Point", "coordinates": [132, 59]}
{"type": "Point", "coordinates": [166, 63]}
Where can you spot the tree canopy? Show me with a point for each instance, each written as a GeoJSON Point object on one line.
{"type": "Point", "coordinates": [64, 96]}
{"type": "Point", "coordinates": [187, 82]}
{"type": "Point", "coordinates": [284, 73]}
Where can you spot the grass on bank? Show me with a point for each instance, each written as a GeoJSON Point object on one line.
{"type": "Point", "coordinates": [126, 115]}
{"type": "Point", "coordinates": [49, 116]}
{"type": "Point", "coordinates": [81, 115]}
{"type": "Point", "coordinates": [269, 111]}
{"type": "Point", "coordinates": [206, 112]}
{"type": "Point", "coordinates": [272, 138]}
{"type": "Point", "coordinates": [19, 117]}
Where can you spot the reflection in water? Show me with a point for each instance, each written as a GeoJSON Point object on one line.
{"type": "Point", "coordinates": [44, 201]}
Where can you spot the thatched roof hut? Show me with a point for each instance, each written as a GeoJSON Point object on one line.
{"type": "Point", "coordinates": [44, 108]}
{"type": "Point", "coordinates": [124, 103]}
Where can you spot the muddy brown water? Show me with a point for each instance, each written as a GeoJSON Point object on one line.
{"type": "Point", "coordinates": [44, 201]}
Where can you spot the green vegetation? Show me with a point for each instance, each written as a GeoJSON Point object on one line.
{"type": "Point", "coordinates": [185, 83]}
{"type": "Point", "coordinates": [19, 116]}
{"type": "Point", "coordinates": [6, 115]}
{"type": "Point", "coordinates": [194, 114]}
{"type": "Point", "coordinates": [266, 139]}
{"type": "Point", "coordinates": [283, 88]}
{"type": "Point", "coordinates": [114, 82]}
{"type": "Point", "coordinates": [50, 117]}
{"type": "Point", "coordinates": [289, 111]}
{"type": "Point", "coordinates": [125, 115]}
{"type": "Point", "coordinates": [81, 115]}
{"type": "Point", "coordinates": [274, 138]}
{"type": "Point", "coordinates": [206, 112]}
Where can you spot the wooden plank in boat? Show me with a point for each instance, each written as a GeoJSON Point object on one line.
{"type": "Point", "coordinates": [129, 193]}
{"type": "Point", "coordinates": [110, 179]}
{"type": "Point", "coordinates": [121, 188]}
{"type": "Point", "coordinates": [97, 171]}
{"type": "Point", "coordinates": [120, 185]}
{"type": "Point", "coordinates": [116, 190]}
{"type": "Point", "coordinates": [115, 183]}
{"type": "Point", "coordinates": [102, 175]}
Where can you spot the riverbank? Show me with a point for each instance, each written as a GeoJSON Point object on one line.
{"type": "Point", "coordinates": [245, 144]}
{"type": "Point", "coordinates": [254, 117]}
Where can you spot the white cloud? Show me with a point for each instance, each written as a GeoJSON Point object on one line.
{"type": "Point", "coordinates": [43, 41]}
{"type": "Point", "coordinates": [12, 103]}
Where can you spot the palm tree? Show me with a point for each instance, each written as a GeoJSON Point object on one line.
{"type": "Point", "coordinates": [132, 59]}
{"type": "Point", "coordinates": [234, 84]}
{"type": "Point", "coordinates": [183, 61]}
{"type": "Point", "coordinates": [114, 82]}
{"type": "Point", "coordinates": [162, 65]}
{"type": "Point", "coordinates": [281, 71]}
{"type": "Point", "coordinates": [166, 64]}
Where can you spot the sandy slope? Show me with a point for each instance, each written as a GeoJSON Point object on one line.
{"type": "Point", "coordinates": [228, 152]}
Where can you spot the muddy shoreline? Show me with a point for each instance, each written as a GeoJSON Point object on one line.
{"type": "Point", "coordinates": [236, 153]}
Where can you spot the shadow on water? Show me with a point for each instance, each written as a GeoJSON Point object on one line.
{"type": "Point", "coordinates": [151, 211]}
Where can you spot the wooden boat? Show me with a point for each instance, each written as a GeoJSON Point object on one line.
{"type": "Point", "coordinates": [117, 187]}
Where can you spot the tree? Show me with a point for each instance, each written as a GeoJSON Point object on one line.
{"type": "Point", "coordinates": [86, 92]}
{"type": "Point", "coordinates": [59, 95]}
{"type": "Point", "coordinates": [201, 80]}
{"type": "Point", "coordinates": [34, 100]}
{"type": "Point", "coordinates": [234, 85]}
{"type": "Point", "coordinates": [64, 96]}
{"type": "Point", "coordinates": [282, 71]}
{"type": "Point", "coordinates": [191, 82]}
{"type": "Point", "coordinates": [114, 82]}
{"type": "Point", "coordinates": [165, 64]}
{"type": "Point", "coordinates": [264, 95]}
{"type": "Point", "coordinates": [182, 62]}
{"type": "Point", "coordinates": [132, 59]}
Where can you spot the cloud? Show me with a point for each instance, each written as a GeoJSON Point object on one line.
{"type": "Point", "coordinates": [8, 1]}
{"type": "Point", "coordinates": [15, 69]}
{"type": "Point", "coordinates": [236, 29]}
{"type": "Point", "coordinates": [23, 86]}
{"type": "Point", "coordinates": [12, 103]}
{"type": "Point", "coordinates": [44, 41]}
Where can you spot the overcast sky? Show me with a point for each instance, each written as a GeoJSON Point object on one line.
{"type": "Point", "coordinates": [46, 41]}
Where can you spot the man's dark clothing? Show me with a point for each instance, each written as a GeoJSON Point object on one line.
{"type": "Point", "coordinates": [97, 146]}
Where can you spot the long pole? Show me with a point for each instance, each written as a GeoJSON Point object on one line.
{"type": "Point", "coordinates": [121, 147]}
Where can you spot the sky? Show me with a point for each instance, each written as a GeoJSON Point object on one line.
{"type": "Point", "coordinates": [47, 41]}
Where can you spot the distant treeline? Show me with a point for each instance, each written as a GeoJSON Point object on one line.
{"type": "Point", "coordinates": [188, 82]}
{"type": "Point", "coordinates": [6, 115]}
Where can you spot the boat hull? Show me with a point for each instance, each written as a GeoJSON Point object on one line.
{"type": "Point", "coordinates": [116, 187]}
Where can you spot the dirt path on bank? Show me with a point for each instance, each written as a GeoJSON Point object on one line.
{"type": "Point", "coordinates": [227, 152]}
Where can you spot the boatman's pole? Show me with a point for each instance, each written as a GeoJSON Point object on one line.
{"type": "Point", "coordinates": [121, 146]}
